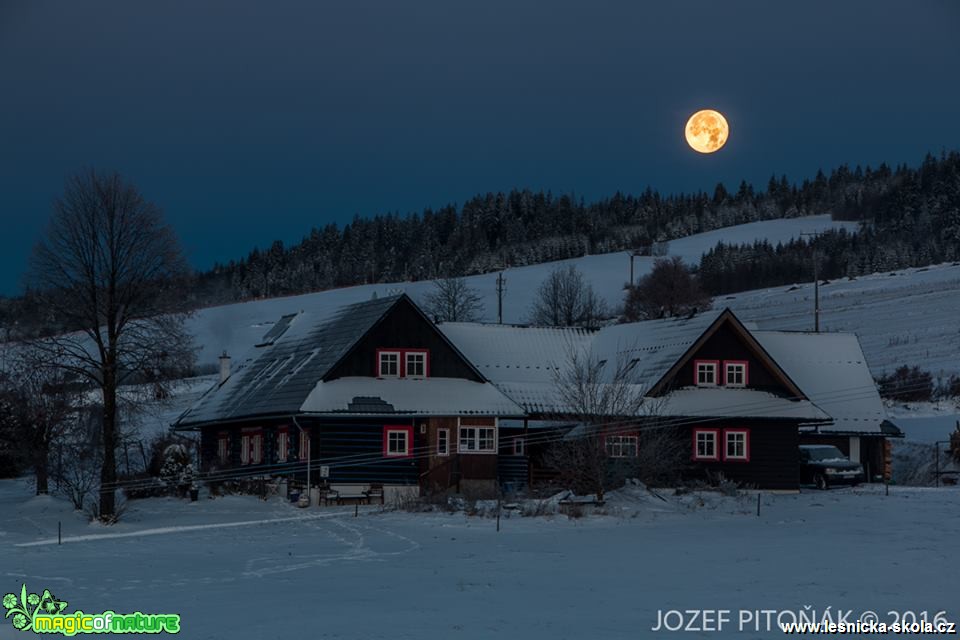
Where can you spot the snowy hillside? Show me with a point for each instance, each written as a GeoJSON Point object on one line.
{"type": "Point", "coordinates": [236, 327]}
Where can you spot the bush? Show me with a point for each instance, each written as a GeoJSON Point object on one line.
{"type": "Point", "coordinates": [907, 384]}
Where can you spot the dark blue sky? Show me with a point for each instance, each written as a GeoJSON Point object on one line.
{"type": "Point", "coordinates": [253, 120]}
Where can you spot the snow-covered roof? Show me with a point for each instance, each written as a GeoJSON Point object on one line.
{"type": "Point", "coordinates": [426, 396]}
{"type": "Point", "coordinates": [278, 377]}
{"type": "Point", "coordinates": [720, 402]}
{"type": "Point", "coordinates": [832, 371]}
{"type": "Point", "coordinates": [524, 361]}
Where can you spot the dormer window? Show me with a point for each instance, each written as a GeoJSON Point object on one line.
{"type": "Point", "coordinates": [735, 373]}
{"type": "Point", "coordinates": [415, 364]}
{"type": "Point", "coordinates": [388, 364]}
{"type": "Point", "coordinates": [403, 363]}
{"type": "Point", "coordinates": [705, 373]}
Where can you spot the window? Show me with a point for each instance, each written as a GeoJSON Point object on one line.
{"type": "Point", "coordinates": [735, 373]}
{"type": "Point", "coordinates": [443, 442]}
{"type": "Point", "coordinates": [621, 446]}
{"type": "Point", "coordinates": [223, 447]}
{"type": "Point", "coordinates": [251, 446]}
{"type": "Point", "coordinates": [736, 445]}
{"type": "Point", "coordinates": [705, 372]}
{"type": "Point", "coordinates": [415, 364]}
{"type": "Point", "coordinates": [478, 440]}
{"type": "Point", "coordinates": [705, 444]}
{"type": "Point", "coordinates": [397, 441]}
{"type": "Point", "coordinates": [518, 446]}
{"type": "Point", "coordinates": [304, 444]}
{"type": "Point", "coordinates": [283, 443]}
{"type": "Point", "coordinates": [388, 364]}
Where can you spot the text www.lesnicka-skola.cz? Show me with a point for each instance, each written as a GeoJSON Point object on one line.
{"type": "Point", "coordinates": [804, 620]}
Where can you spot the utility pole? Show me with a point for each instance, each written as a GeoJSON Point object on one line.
{"type": "Point", "coordinates": [501, 288]}
{"type": "Point", "coordinates": [816, 283]}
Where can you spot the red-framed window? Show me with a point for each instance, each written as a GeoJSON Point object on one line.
{"type": "Point", "coordinates": [388, 363]}
{"type": "Point", "coordinates": [736, 445]}
{"type": "Point", "coordinates": [621, 446]}
{"type": "Point", "coordinates": [736, 373]}
{"type": "Point", "coordinates": [283, 443]}
{"type": "Point", "coordinates": [706, 373]}
{"type": "Point", "coordinates": [519, 446]}
{"type": "Point", "coordinates": [443, 442]}
{"type": "Point", "coordinates": [304, 448]}
{"type": "Point", "coordinates": [398, 441]}
{"type": "Point", "coordinates": [251, 446]}
{"type": "Point", "coordinates": [403, 363]}
{"type": "Point", "coordinates": [706, 444]}
{"type": "Point", "coordinates": [223, 447]}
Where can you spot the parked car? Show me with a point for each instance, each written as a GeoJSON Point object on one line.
{"type": "Point", "coordinates": [824, 465]}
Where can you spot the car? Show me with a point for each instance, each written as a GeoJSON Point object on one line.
{"type": "Point", "coordinates": [823, 465]}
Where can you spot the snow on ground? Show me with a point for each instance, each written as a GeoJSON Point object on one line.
{"type": "Point", "coordinates": [234, 328]}
{"type": "Point", "coordinates": [280, 572]}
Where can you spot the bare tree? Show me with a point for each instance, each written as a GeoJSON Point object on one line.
{"type": "Point", "coordinates": [565, 299]}
{"type": "Point", "coordinates": [453, 300]}
{"type": "Point", "coordinates": [670, 290]}
{"type": "Point", "coordinates": [110, 269]}
{"type": "Point", "coordinates": [606, 401]}
{"type": "Point", "coordinates": [39, 405]}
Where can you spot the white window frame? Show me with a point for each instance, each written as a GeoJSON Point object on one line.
{"type": "Point", "coordinates": [713, 366]}
{"type": "Point", "coordinates": [283, 444]}
{"type": "Point", "coordinates": [445, 449]}
{"type": "Point", "coordinates": [714, 438]}
{"type": "Point", "coordinates": [406, 443]}
{"type": "Point", "coordinates": [256, 447]}
{"type": "Point", "coordinates": [745, 433]}
{"type": "Point", "coordinates": [519, 446]}
{"type": "Point", "coordinates": [737, 365]}
{"type": "Point", "coordinates": [621, 446]}
{"type": "Point", "coordinates": [470, 435]}
{"type": "Point", "coordinates": [245, 448]}
{"type": "Point", "coordinates": [406, 363]}
{"type": "Point", "coordinates": [380, 354]}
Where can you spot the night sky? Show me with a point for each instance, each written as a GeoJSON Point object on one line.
{"type": "Point", "coordinates": [249, 121]}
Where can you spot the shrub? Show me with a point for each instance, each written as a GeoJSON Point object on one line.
{"type": "Point", "coordinates": [907, 384]}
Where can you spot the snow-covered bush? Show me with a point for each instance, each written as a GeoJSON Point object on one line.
{"type": "Point", "coordinates": [177, 472]}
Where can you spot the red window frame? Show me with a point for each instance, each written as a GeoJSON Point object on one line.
{"type": "Point", "coordinates": [251, 446]}
{"type": "Point", "coordinates": [716, 373]}
{"type": "Point", "coordinates": [399, 353]}
{"type": "Point", "coordinates": [402, 362]}
{"type": "Point", "coordinates": [223, 447]}
{"type": "Point", "coordinates": [283, 444]}
{"type": "Point", "coordinates": [746, 445]}
{"type": "Point", "coordinates": [304, 444]}
{"type": "Point", "coordinates": [395, 428]}
{"type": "Point", "coordinates": [746, 372]}
{"type": "Point", "coordinates": [716, 445]}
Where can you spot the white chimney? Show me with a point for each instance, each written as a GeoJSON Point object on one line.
{"type": "Point", "coordinates": [224, 367]}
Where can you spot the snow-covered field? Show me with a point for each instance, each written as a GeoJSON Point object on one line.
{"type": "Point", "coordinates": [238, 568]}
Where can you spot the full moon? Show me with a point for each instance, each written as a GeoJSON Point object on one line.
{"type": "Point", "coordinates": [707, 131]}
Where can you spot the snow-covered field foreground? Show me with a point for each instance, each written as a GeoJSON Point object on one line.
{"type": "Point", "coordinates": [240, 568]}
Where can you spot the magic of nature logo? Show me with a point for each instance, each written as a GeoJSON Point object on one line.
{"type": "Point", "coordinates": [43, 613]}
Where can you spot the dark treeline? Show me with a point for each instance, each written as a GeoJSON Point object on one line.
{"type": "Point", "coordinates": [909, 215]}
{"type": "Point", "coordinates": [911, 218]}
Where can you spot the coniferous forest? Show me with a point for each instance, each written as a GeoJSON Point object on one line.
{"type": "Point", "coordinates": [910, 216]}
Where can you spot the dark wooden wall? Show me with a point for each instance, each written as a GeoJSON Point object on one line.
{"type": "Point", "coordinates": [725, 344]}
{"type": "Point", "coordinates": [404, 328]}
{"type": "Point", "coordinates": [774, 454]}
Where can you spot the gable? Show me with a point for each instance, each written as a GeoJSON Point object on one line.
{"type": "Point", "coordinates": [728, 339]}
{"type": "Point", "coordinates": [404, 327]}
